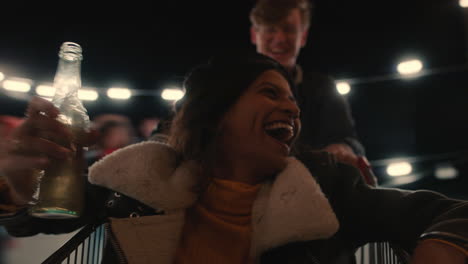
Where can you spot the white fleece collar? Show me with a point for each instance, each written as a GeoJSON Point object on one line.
{"type": "Point", "coordinates": [290, 208]}
{"type": "Point", "coordinates": [149, 173]}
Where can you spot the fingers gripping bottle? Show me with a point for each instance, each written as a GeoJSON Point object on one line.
{"type": "Point", "coordinates": [60, 193]}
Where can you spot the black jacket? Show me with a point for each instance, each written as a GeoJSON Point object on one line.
{"type": "Point", "coordinates": [325, 115]}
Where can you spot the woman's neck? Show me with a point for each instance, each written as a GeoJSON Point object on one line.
{"type": "Point", "coordinates": [238, 171]}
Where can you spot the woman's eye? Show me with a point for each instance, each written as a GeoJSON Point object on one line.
{"type": "Point", "coordinates": [270, 92]}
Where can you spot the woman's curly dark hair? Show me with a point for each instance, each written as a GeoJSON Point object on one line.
{"type": "Point", "coordinates": [211, 90]}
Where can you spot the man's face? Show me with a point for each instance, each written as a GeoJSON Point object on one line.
{"type": "Point", "coordinates": [281, 41]}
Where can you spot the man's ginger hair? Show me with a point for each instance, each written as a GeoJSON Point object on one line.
{"type": "Point", "coordinates": [270, 12]}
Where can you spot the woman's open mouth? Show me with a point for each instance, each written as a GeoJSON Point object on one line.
{"type": "Point", "coordinates": [282, 131]}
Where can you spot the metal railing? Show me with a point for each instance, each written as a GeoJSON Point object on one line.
{"type": "Point", "coordinates": [381, 252]}
{"type": "Point", "coordinates": [85, 247]}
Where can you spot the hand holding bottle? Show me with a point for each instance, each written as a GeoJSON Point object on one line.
{"type": "Point", "coordinates": [30, 148]}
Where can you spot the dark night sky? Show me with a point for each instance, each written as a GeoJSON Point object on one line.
{"type": "Point", "coordinates": [146, 47]}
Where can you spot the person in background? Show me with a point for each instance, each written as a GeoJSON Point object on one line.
{"type": "Point", "coordinates": [161, 131]}
{"type": "Point", "coordinates": [113, 134]}
{"type": "Point", "coordinates": [7, 125]}
{"type": "Point", "coordinates": [280, 30]}
{"type": "Point", "coordinates": [225, 188]}
{"type": "Point", "coordinates": [146, 127]}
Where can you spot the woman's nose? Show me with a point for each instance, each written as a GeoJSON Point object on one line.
{"type": "Point", "coordinates": [291, 107]}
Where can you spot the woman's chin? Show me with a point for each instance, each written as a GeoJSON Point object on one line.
{"type": "Point", "coordinates": [274, 166]}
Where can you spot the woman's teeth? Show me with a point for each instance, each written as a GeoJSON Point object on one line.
{"type": "Point", "coordinates": [281, 131]}
{"type": "Point", "coordinates": [277, 125]}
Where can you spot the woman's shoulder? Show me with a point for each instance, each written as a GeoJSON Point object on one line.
{"type": "Point", "coordinates": [149, 172]}
{"type": "Point", "coordinates": [139, 158]}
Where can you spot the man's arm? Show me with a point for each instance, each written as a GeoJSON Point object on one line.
{"type": "Point", "coordinates": [336, 123]}
{"type": "Point", "coordinates": [439, 252]}
{"type": "Point", "coordinates": [403, 217]}
{"type": "Point", "coordinates": [406, 218]}
{"type": "Point", "coordinates": [327, 120]}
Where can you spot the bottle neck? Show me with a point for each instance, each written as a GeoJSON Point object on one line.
{"type": "Point", "coordinates": [67, 80]}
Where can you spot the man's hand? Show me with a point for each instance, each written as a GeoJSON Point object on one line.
{"type": "Point", "coordinates": [434, 252]}
{"type": "Point", "coordinates": [343, 153]}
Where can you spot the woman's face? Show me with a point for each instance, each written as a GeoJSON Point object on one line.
{"type": "Point", "coordinates": [261, 126]}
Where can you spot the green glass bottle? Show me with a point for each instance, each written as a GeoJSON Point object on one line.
{"type": "Point", "coordinates": [60, 193]}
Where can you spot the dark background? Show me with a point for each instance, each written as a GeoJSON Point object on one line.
{"type": "Point", "coordinates": [146, 47]}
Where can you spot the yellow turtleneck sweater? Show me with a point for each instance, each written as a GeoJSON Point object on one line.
{"type": "Point", "coordinates": [218, 228]}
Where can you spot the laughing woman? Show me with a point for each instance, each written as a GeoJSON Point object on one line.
{"type": "Point", "coordinates": [226, 188]}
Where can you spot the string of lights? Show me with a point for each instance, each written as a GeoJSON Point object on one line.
{"type": "Point", "coordinates": [409, 69]}
{"type": "Point", "coordinates": [46, 90]}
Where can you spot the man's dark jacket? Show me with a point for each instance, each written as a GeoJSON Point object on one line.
{"type": "Point", "coordinates": [325, 115]}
